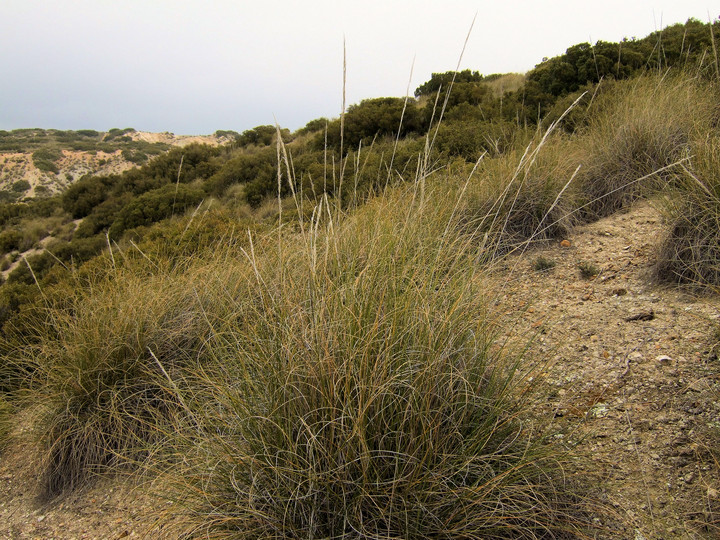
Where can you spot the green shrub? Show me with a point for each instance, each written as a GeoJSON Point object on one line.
{"type": "Point", "coordinates": [228, 133]}
{"type": "Point", "coordinates": [82, 197]}
{"type": "Point", "coordinates": [258, 136]}
{"type": "Point", "coordinates": [39, 264]}
{"type": "Point", "coordinates": [197, 163]}
{"type": "Point", "coordinates": [371, 118]}
{"type": "Point", "coordinates": [318, 124]}
{"type": "Point", "coordinates": [134, 157]}
{"type": "Point", "coordinates": [45, 158]}
{"type": "Point", "coordinates": [102, 217]}
{"type": "Point", "coordinates": [154, 206]}
{"type": "Point", "coordinates": [470, 139]}
{"type": "Point", "coordinates": [78, 250]}
{"type": "Point", "coordinates": [543, 264]}
{"type": "Point", "coordinates": [117, 133]}
{"type": "Point", "coordinates": [47, 154]}
{"type": "Point", "coordinates": [20, 186]}
{"type": "Point", "coordinates": [10, 240]}
{"type": "Point", "coordinates": [260, 168]}
{"type": "Point", "coordinates": [47, 166]}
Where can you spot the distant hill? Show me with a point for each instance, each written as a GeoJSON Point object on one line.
{"type": "Point", "coordinates": [37, 162]}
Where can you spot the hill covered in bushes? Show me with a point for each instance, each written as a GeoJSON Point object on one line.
{"type": "Point", "coordinates": [295, 325]}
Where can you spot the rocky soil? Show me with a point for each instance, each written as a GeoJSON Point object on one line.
{"type": "Point", "coordinates": [630, 369]}
{"type": "Point", "coordinates": [627, 370]}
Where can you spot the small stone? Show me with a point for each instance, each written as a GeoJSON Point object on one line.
{"type": "Point", "coordinates": [663, 359]}
{"type": "Point", "coordinates": [642, 316]}
{"type": "Point", "coordinates": [689, 477]}
{"type": "Point", "coordinates": [712, 493]}
{"type": "Point", "coordinates": [565, 244]}
{"type": "Point", "coordinates": [698, 386]}
{"type": "Point", "coordinates": [599, 410]}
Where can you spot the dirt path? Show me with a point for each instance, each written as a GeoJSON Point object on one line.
{"type": "Point", "coordinates": [632, 370]}
{"type": "Point", "coordinates": [631, 373]}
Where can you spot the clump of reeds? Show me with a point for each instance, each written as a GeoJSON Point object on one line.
{"type": "Point", "coordinates": [637, 138]}
{"type": "Point", "coordinates": [690, 253]}
{"type": "Point", "coordinates": [361, 395]}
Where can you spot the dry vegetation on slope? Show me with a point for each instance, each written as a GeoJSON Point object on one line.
{"type": "Point", "coordinates": [40, 162]}
{"type": "Point", "coordinates": [519, 347]}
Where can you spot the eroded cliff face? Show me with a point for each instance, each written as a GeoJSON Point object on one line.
{"type": "Point", "coordinates": [23, 175]}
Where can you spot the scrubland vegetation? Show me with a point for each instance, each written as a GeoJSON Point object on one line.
{"type": "Point", "coordinates": [293, 331]}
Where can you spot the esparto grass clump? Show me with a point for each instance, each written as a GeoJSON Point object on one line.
{"type": "Point", "coordinates": [690, 252]}
{"type": "Point", "coordinates": [639, 136]}
{"type": "Point", "coordinates": [364, 397]}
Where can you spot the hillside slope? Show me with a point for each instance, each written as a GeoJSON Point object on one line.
{"type": "Point", "coordinates": [631, 377]}
{"type": "Point", "coordinates": [22, 159]}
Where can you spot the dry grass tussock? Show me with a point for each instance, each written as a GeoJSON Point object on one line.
{"type": "Point", "coordinates": [639, 135]}
{"type": "Point", "coordinates": [690, 253]}
{"type": "Point", "coordinates": [525, 196]}
{"type": "Point", "coordinates": [508, 82]}
{"type": "Point", "coordinates": [102, 374]}
{"type": "Point", "coordinates": [6, 423]}
{"type": "Point", "coordinates": [361, 395]}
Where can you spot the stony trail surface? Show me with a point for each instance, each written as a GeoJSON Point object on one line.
{"type": "Point", "coordinates": [630, 368]}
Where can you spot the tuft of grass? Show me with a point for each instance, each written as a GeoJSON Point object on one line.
{"type": "Point", "coordinates": [102, 374]}
{"type": "Point", "coordinates": [543, 264]}
{"type": "Point", "coordinates": [690, 253]}
{"type": "Point", "coordinates": [6, 413]}
{"type": "Point", "coordinates": [639, 135]}
{"type": "Point", "coordinates": [361, 394]}
{"type": "Point", "coordinates": [525, 196]}
{"type": "Point", "coordinates": [588, 270]}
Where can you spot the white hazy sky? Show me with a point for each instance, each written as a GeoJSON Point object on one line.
{"type": "Point", "coordinates": [193, 67]}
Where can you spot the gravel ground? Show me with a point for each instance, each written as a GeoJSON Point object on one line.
{"type": "Point", "coordinates": [631, 369]}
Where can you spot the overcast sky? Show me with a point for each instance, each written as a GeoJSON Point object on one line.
{"type": "Point", "coordinates": [193, 67]}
